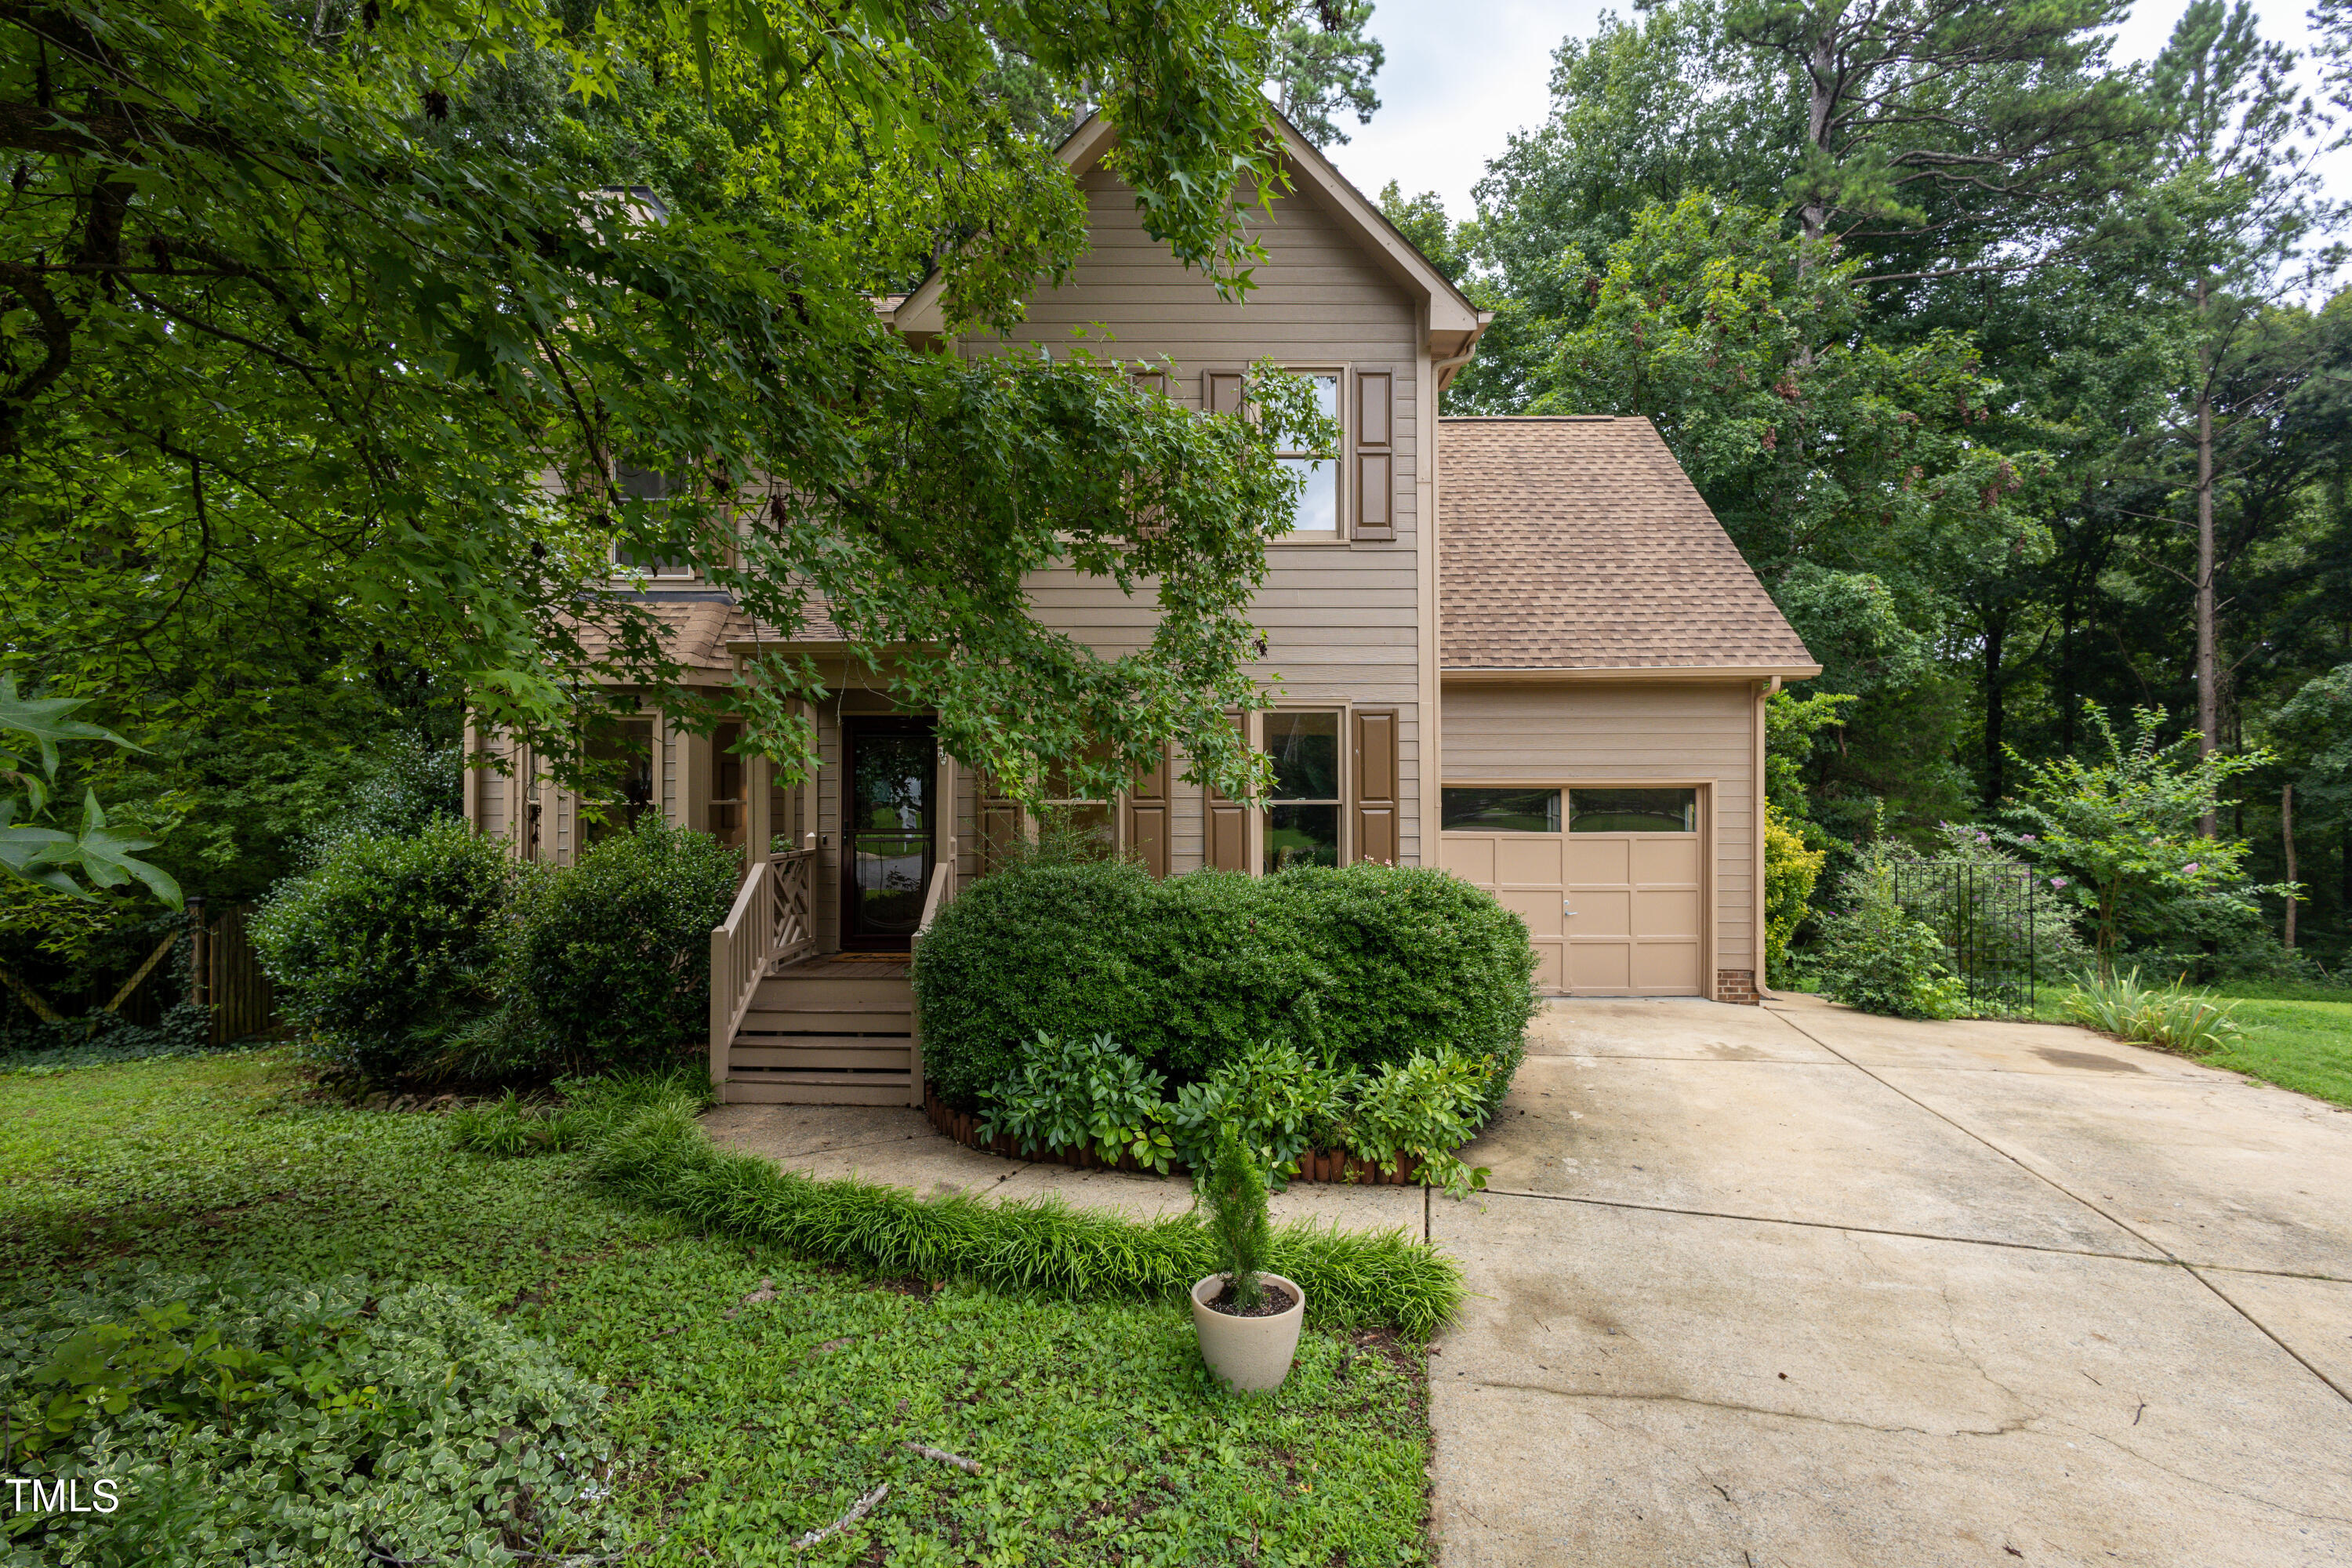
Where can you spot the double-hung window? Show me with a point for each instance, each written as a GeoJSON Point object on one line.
{"type": "Point", "coordinates": [1304, 807]}
{"type": "Point", "coordinates": [1316, 513]}
{"type": "Point", "coordinates": [643, 485]}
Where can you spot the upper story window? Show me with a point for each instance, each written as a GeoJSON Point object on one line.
{"type": "Point", "coordinates": [644, 485]}
{"type": "Point", "coordinates": [1316, 513]}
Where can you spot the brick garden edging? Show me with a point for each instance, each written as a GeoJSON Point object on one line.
{"type": "Point", "coordinates": [1315, 1165]}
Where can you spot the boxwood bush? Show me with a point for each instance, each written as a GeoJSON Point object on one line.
{"type": "Point", "coordinates": [614, 953]}
{"type": "Point", "coordinates": [390, 945]}
{"type": "Point", "coordinates": [437, 956]}
{"type": "Point", "coordinates": [1366, 965]}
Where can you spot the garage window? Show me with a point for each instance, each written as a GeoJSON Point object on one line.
{"type": "Point", "coordinates": [1502, 811]}
{"type": "Point", "coordinates": [1632, 811]}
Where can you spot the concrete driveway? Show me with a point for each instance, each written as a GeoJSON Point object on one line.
{"type": "Point", "coordinates": [1795, 1286]}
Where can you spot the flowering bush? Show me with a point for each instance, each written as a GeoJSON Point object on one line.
{"type": "Point", "coordinates": [1876, 956]}
{"type": "Point", "coordinates": [2119, 838]}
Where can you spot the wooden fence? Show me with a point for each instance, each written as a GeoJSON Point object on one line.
{"type": "Point", "coordinates": [225, 975]}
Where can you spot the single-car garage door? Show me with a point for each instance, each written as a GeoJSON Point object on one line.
{"type": "Point", "coordinates": [1615, 904]}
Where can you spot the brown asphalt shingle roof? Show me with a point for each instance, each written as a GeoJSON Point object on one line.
{"type": "Point", "coordinates": [694, 632]}
{"type": "Point", "coordinates": [1580, 543]}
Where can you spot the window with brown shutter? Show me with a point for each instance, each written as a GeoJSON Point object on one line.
{"type": "Point", "coordinates": [1226, 827]}
{"type": "Point", "coordinates": [1375, 415]}
{"type": "Point", "coordinates": [1376, 786]}
{"type": "Point", "coordinates": [1147, 818]}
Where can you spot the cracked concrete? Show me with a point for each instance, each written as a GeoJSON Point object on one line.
{"type": "Point", "coordinates": [1795, 1286]}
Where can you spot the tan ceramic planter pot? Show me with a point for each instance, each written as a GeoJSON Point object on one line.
{"type": "Point", "coordinates": [1248, 1352]}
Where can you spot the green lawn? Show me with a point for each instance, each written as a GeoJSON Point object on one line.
{"type": "Point", "coordinates": [2299, 1037]}
{"type": "Point", "coordinates": [2302, 1045]}
{"type": "Point", "coordinates": [743, 1422]}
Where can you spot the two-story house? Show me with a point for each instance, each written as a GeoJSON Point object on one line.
{"type": "Point", "coordinates": [1519, 649]}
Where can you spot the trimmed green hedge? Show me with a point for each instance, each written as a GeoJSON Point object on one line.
{"type": "Point", "coordinates": [1368, 963]}
{"type": "Point", "coordinates": [662, 1157]}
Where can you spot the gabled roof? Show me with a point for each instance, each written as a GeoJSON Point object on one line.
{"type": "Point", "coordinates": [1577, 548]}
{"type": "Point", "coordinates": [1454, 323]}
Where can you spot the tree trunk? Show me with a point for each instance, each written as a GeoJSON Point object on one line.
{"type": "Point", "coordinates": [1993, 714]}
{"type": "Point", "coordinates": [2209, 682]}
{"type": "Point", "coordinates": [2286, 838]}
{"type": "Point", "coordinates": [1820, 74]}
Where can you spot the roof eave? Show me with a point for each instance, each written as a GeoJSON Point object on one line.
{"type": "Point", "coordinates": [1550, 674]}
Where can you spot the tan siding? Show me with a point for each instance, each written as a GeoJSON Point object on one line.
{"type": "Point", "coordinates": [1343, 621]}
{"type": "Point", "coordinates": [1594, 733]}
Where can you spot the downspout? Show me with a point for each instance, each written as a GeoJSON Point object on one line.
{"type": "Point", "coordinates": [1756, 919]}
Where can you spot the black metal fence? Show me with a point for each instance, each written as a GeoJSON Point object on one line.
{"type": "Point", "coordinates": [1985, 915]}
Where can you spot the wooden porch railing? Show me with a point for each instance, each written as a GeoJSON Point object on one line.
{"type": "Point", "coordinates": [739, 960]}
{"type": "Point", "coordinates": [771, 922]}
{"type": "Point", "coordinates": [935, 899]}
{"type": "Point", "coordinates": [794, 924]}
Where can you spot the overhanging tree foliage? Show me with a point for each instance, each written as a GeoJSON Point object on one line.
{"type": "Point", "coordinates": [371, 304]}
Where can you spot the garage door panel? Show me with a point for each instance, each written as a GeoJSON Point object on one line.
{"type": "Point", "coordinates": [1600, 966]}
{"type": "Point", "coordinates": [1551, 964]}
{"type": "Point", "coordinates": [1592, 858]}
{"type": "Point", "coordinates": [1601, 912]}
{"type": "Point", "coordinates": [1472, 859]}
{"type": "Point", "coordinates": [1529, 859]}
{"type": "Point", "coordinates": [1674, 859]}
{"type": "Point", "coordinates": [1669, 911]}
{"type": "Point", "coordinates": [1666, 966]}
{"type": "Point", "coordinates": [1539, 907]}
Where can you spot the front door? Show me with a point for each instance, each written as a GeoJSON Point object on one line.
{"type": "Point", "coordinates": [887, 835]}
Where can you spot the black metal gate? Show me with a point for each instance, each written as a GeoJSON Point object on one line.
{"type": "Point", "coordinates": [1985, 915]}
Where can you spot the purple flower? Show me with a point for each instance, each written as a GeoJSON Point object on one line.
{"type": "Point", "coordinates": [1984, 838]}
{"type": "Point", "coordinates": [2027, 838]}
{"type": "Point", "coordinates": [2190, 869]}
{"type": "Point", "coordinates": [2057, 881]}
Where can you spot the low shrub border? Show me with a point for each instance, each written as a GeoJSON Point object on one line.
{"type": "Point", "coordinates": [1314, 1164]}
{"type": "Point", "coordinates": [662, 1157]}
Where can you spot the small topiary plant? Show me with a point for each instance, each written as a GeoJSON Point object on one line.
{"type": "Point", "coordinates": [1233, 1188]}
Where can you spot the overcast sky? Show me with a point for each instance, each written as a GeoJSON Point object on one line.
{"type": "Point", "coordinates": [1462, 77]}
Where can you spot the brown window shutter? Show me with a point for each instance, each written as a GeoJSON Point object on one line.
{"type": "Point", "coordinates": [1221, 391]}
{"type": "Point", "coordinates": [1227, 824]}
{"type": "Point", "coordinates": [1373, 408]}
{"type": "Point", "coordinates": [1153, 380]}
{"type": "Point", "coordinates": [1372, 497]}
{"type": "Point", "coordinates": [1375, 452]}
{"type": "Point", "coordinates": [1376, 786]}
{"type": "Point", "coordinates": [1147, 818]}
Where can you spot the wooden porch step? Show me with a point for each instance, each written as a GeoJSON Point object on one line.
{"type": "Point", "coordinates": [837, 993]}
{"type": "Point", "coordinates": [818, 1088]}
{"type": "Point", "coordinates": [764, 1020]}
{"type": "Point", "coordinates": [818, 1052]}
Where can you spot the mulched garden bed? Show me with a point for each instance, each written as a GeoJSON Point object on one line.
{"type": "Point", "coordinates": [1315, 1165]}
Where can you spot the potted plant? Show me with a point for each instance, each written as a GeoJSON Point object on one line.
{"type": "Point", "coordinates": [1248, 1318]}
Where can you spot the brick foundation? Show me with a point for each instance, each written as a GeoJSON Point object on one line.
{"type": "Point", "coordinates": [1737, 985]}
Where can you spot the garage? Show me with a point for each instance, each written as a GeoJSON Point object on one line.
{"type": "Point", "coordinates": [1610, 878]}
{"type": "Point", "coordinates": [1605, 656]}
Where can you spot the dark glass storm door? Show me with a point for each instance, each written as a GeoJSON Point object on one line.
{"type": "Point", "coordinates": [887, 838]}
